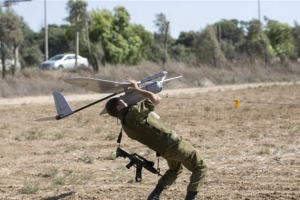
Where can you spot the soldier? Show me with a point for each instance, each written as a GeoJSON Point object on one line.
{"type": "Point", "coordinates": [141, 123]}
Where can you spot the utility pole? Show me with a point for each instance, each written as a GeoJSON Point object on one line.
{"type": "Point", "coordinates": [77, 39]}
{"type": "Point", "coordinates": [166, 45]}
{"type": "Point", "coordinates": [46, 31]}
{"type": "Point", "coordinates": [77, 42]}
{"type": "Point", "coordinates": [259, 10]}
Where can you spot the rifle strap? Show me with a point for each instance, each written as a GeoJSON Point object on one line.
{"type": "Point", "coordinates": [122, 122]}
{"type": "Point", "coordinates": [120, 137]}
{"type": "Point", "coordinates": [158, 169]}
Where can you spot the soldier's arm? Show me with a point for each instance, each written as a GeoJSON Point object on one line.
{"type": "Point", "coordinates": [155, 99]}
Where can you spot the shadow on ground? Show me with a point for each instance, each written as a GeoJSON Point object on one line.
{"type": "Point", "coordinates": [61, 196]}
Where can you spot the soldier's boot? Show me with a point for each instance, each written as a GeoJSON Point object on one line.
{"type": "Point", "coordinates": [191, 196]}
{"type": "Point", "coordinates": [154, 195]}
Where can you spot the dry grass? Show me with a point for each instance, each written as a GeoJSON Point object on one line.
{"type": "Point", "coordinates": [253, 151]}
{"type": "Point", "coordinates": [33, 82]}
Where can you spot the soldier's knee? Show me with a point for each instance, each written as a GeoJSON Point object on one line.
{"type": "Point", "coordinates": [204, 167]}
{"type": "Point", "coordinates": [176, 172]}
{"type": "Point", "coordinates": [197, 158]}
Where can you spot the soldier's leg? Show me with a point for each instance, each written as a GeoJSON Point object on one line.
{"type": "Point", "coordinates": [185, 153]}
{"type": "Point", "coordinates": [175, 168]}
{"type": "Point", "coordinates": [154, 195]}
{"type": "Point", "coordinates": [193, 161]}
{"type": "Point", "coordinates": [198, 167]}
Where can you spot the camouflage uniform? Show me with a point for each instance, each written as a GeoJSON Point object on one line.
{"type": "Point", "coordinates": [140, 125]}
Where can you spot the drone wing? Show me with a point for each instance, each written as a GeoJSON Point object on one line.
{"type": "Point", "coordinates": [98, 85]}
{"type": "Point", "coordinates": [103, 86]}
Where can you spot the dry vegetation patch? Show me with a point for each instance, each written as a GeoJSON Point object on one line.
{"type": "Point", "coordinates": [35, 82]}
{"type": "Point", "coordinates": [252, 151]}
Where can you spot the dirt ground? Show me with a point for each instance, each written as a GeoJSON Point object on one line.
{"type": "Point", "coordinates": [253, 151]}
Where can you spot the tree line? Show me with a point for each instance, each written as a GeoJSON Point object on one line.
{"type": "Point", "coordinates": [106, 36]}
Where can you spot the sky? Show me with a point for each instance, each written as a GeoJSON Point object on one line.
{"type": "Point", "coordinates": [184, 15]}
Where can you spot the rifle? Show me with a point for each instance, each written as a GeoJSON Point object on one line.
{"type": "Point", "coordinates": [139, 162]}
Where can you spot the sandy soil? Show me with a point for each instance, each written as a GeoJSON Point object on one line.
{"type": "Point", "coordinates": [253, 151]}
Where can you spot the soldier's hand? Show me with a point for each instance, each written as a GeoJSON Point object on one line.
{"type": "Point", "coordinates": [134, 84]}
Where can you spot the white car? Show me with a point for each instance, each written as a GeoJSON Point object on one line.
{"type": "Point", "coordinates": [62, 61]}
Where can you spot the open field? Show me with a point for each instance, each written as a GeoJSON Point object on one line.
{"type": "Point", "coordinates": [253, 151]}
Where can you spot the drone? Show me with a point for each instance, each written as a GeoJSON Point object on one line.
{"type": "Point", "coordinates": [130, 97]}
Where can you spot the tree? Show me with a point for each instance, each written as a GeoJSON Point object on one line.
{"type": "Point", "coordinates": [138, 40]}
{"type": "Point", "coordinates": [58, 40]}
{"type": "Point", "coordinates": [30, 53]}
{"type": "Point", "coordinates": [229, 30]}
{"type": "Point", "coordinates": [230, 35]}
{"type": "Point", "coordinates": [78, 18]}
{"type": "Point", "coordinates": [208, 49]}
{"type": "Point", "coordinates": [296, 37]}
{"type": "Point", "coordinates": [186, 39]}
{"type": "Point", "coordinates": [257, 44]}
{"type": "Point", "coordinates": [2, 41]}
{"type": "Point", "coordinates": [121, 19]}
{"type": "Point", "coordinates": [182, 48]}
{"type": "Point", "coordinates": [179, 52]}
{"type": "Point", "coordinates": [162, 35]}
{"type": "Point", "coordinates": [100, 32]}
{"type": "Point", "coordinates": [280, 36]}
{"type": "Point", "coordinates": [11, 37]}
{"type": "Point", "coordinates": [121, 42]}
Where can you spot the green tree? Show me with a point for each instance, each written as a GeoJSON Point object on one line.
{"type": "Point", "coordinates": [230, 35]}
{"type": "Point", "coordinates": [229, 30]}
{"type": "Point", "coordinates": [11, 37]}
{"type": "Point", "coordinates": [78, 18]}
{"type": "Point", "coordinates": [182, 49]}
{"type": "Point", "coordinates": [30, 53]}
{"type": "Point", "coordinates": [100, 32]}
{"type": "Point", "coordinates": [96, 55]}
{"type": "Point", "coordinates": [296, 37]}
{"type": "Point", "coordinates": [179, 52]}
{"type": "Point", "coordinates": [121, 42]}
{"type": "Point", "coordinates": [161, 38]}
{"type": "Point", "coordinates": [138, 41]}
{"type": "Point", "coordinates": [156, 53]}
{"type": "Point", "coordinates": [121, 19]}
{"type": "Point", "coordinates": [3, 39]}
{"type": "Point", "coordinates": [257, 44]}
{"type": "Point", "coordinates": [186, 39]}
{"type": "Point", "coordinates": [208, 49]}
{"type": "Point", "coordinates": [57, 39]}
{"type": "Point", "coordinates": [281, 38]}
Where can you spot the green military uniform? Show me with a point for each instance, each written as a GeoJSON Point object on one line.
{"type": "Point", "coordinates": [140, 125]}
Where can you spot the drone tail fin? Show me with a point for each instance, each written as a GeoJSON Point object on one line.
{"type": "Point", "coordinates": [62, 108]}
